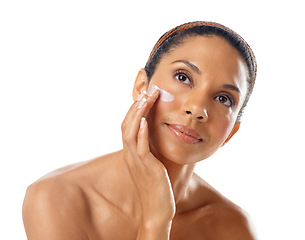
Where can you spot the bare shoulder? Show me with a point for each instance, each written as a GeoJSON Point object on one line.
{"type": "Point", "coordinates": [225, 221]}
{"type": "Point", "coordinates": [220, 218]}
{"type": "Point", "coordinates": [58, 205]}
{"type": "Point", "coordinates": [49, 207]}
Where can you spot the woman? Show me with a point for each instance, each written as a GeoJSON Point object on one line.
{"type": "Point", "coordinates": [188, 103]}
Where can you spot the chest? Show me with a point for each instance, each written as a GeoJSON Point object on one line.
{"type": "Point", "coordinates": [107, 221]}
{"type": "Point", "coordinates": [113, 224]}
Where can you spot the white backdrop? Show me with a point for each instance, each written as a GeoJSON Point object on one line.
{"type": "Point", "coordinates": [66, 74]}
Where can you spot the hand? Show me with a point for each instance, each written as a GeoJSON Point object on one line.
{"type": "Point", "coordinates": [148, 174]}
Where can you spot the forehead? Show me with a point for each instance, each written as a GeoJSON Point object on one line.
{"type": "Point", "coordinates": [208, 50]}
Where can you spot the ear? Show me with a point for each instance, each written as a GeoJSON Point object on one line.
{"type": "Point", "coordinates": [140, 84]}
{"type": "Point", "coordinates": [234, 130]}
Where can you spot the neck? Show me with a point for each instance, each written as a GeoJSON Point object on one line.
{"type": "Point", "coordinates": [180, 177]}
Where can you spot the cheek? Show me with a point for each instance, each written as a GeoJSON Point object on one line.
{"type": "Point", "coordinates": [161, 113]}
{"type": "Point", "coordinates": [156, 117]}
{"type": "Point", "coordinates": [159, 110]}
{"type": "Point", "coordinates": [221, 129]}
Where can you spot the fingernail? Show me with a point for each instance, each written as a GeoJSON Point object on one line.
{"type": "Point", "coordinates": [142, 122]}
{"type": "Point", "coordinates": [141, 96]}
{"type": "Point", "coordinates": [153, 90]}
{"type": "Point", "coordinates": [141, 103]}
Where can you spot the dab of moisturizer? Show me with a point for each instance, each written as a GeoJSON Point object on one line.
{"type": "Point", "coordinates": [165, 96]}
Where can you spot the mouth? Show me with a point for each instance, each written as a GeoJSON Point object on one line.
{"type": "Point", "coordinates": [185, 134]}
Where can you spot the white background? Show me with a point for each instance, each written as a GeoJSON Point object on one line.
{"type": "Point", "coordinates": [66, 73]}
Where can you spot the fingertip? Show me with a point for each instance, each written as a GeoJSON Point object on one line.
{"type": "Point", "coordinates": [153, 91]}
{"type": "Point", "coordinates": [141, 103]}
{"type": "Point", "coordinates": [142, 123]}
{"type": "Point", "coordinates": [143, 144]}
{"type": "Point", "coordinates": [144, 93]}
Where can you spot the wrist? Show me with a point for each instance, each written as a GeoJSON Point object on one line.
{"type": "Point", "coordinates": [154, 215]}
{"type": "Point", "coordinates": [154, 230]}
{"type": "Point", "coordinates": [156, 224]}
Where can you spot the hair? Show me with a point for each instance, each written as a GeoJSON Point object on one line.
{"type": "Point", "coordinates": [175, 37]}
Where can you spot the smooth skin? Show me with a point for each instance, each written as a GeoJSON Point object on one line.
{"type": "Point", "coordinates": [148, 190]}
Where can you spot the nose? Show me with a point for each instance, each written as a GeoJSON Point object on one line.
{"type": "Point", "coordinates": [195, 105]}
{"type": "Point", "coordinates": [200, 114]}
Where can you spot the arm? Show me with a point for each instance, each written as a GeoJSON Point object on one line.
{"type": "Point", "coordinates": [148, 174]}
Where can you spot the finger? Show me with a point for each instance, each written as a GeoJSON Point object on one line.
{"type": "Point", "coordinates": [143, 94]}
{"type": "Point", "coordinates": [143, 143]}
{"type": "Point", "coordinates": [133, 117]}
{"type": "Point", "coordinates": [131, 123]}
{"type": "Point", "coordinates": [140, 104]}
{"type": "Point", "coordinates": [152, 96]}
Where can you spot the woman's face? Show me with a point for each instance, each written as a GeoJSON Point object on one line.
{"type": "Point", "coordinates": [207, 78]}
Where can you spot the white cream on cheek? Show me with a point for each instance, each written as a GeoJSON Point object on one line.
{"type": "Point", "coordinates": [165, 96]}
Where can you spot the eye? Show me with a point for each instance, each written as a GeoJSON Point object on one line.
{"type": "Point", "coordinates": [182, 77]}
{"type": "Point", "coordinates": [225, 100]}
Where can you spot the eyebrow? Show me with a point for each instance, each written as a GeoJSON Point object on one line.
{"type": "Point", "coordinates": [189, 64]}
{"type": "Point", "coordinates": [231, 87]}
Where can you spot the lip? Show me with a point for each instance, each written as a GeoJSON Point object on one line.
{"type": "Point", "coordinates": [185, 134]}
